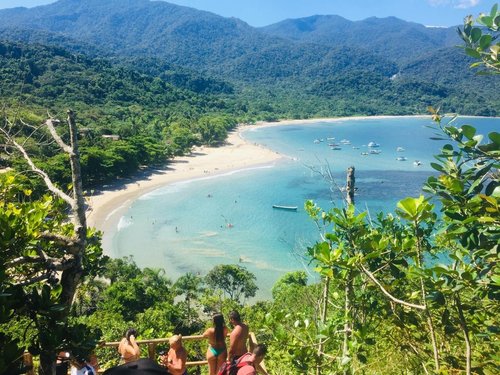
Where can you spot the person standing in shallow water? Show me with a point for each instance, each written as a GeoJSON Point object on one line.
{"type": "Point", "coordinates": [238, 338]}
{"type": "Point", "coordinates": [128, 348]}
{"type": "Point", "coordinates": [217, 351]}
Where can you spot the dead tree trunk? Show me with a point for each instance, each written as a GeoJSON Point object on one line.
{"type": "Point", "coordinates": [70, 266]}
{"type": "Point", "coordinates": [349, 188]}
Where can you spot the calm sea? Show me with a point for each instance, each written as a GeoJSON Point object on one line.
{"type": "Point", "coordinates": [195, 225]}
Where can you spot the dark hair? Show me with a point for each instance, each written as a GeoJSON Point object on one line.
{"type": "Point", "coordinates": [260, 350]}
{"type": "Point", "coordinates": [218, 320]}
{"type": "Point", "coordinates": [235, 315]}
{"type": "Point", "coordinates": [130, 332]}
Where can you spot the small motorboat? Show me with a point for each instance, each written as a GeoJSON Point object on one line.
{"type": "Point", "coordinates": [401, 158]}
{"type": "Point", "coordinates": [417, 163]}
{"type": "Point", "coordinates": [375, 152]}
{"type": "Point", "coordinates": [287, 208]}
{"type": "Point", "coordinates": [400, 149]}
{"type": "Point", "coordinates": [373, 144]}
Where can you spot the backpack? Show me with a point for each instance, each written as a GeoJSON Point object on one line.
{"type": "Point", "coordinates": [233, 367]}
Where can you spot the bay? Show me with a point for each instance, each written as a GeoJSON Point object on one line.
{"type": "Point", "coordinates": [228, 218]}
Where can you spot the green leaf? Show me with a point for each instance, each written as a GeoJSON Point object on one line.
{"type": "Point", "coordinates": [494, 10]}
{"type": "Point", "coordinates": [485, 41]}
{"type": "Point", "coordinates": [472, 53]}
{"type": "Point", "coordinates": [485, 20]}
{"type": "Point", "coordinates": [468, 131]}
{"type": "Point", "coordinates": [495, 137]}
{"type": "Point", "coordinates": [496, 279]}
{"type": "Point", "coordinates": [475, 34]}
{"type": "Point", "coordinates": [437, 167]}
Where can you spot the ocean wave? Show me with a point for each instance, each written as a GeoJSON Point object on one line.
{"type": "Point", "coordinates": [108, 216]}
{"type": "Point", "coordinates": [124, 222]}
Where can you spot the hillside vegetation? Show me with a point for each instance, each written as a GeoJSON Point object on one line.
{"type": "Point", "coordinates": [415, 291]}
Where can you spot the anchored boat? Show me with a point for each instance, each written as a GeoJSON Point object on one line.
{"type": "Point", "coordinates": [288, 208]}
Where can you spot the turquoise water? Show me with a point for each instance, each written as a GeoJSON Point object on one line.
{"type": "Point", "coordinates": [184, 227]}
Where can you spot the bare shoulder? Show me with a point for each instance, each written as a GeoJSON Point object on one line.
{"type": "Point", "coordinates": [236, 331]}
{"type": "Point", "coordinates": [209, 332]}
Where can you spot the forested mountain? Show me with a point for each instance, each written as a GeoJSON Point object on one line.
{"type": "Point", "coordinates": [315, 66]}
{"type": "Point", "coordinates": [390, 37]}
{"type": "Point", "coordinates": [182, 35]}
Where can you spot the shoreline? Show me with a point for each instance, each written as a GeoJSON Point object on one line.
{"type": "Point", "coordinates": [107, 204]}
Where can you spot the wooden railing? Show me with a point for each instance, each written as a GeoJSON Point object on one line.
{"type": "Point", "coordinates": [151, 345]}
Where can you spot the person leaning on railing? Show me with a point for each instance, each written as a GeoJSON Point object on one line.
{"type": "Point", "coordinates": [175, 360]}
{"type": "Point", "coordinates": [128, 348]}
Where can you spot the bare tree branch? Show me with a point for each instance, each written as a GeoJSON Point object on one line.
{"type": "Point", "coordinates": [391, 297]}
{"type": "Point", "coordinates": [50, 125]}
{"type": "Point", "coordinates": [70, 243]}
{"type": "Point", "coordinates": [34, 168]}
{"type": "Point", "coordinates": [35, 280]}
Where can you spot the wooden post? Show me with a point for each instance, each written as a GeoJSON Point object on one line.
{"type": "Point", "coordinates": [351, 180]}
{"type": "Point", "coordinates": [28, 362]}
{"type": "Point", "coordinates": [152, 351]}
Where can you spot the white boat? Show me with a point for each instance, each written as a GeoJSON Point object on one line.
{"type": "Point", "coordinates": [400, 149]}
{"type": "Point", "coordinates": [375, 152]}
{"type": "Point", "coordinates": [330, 139]}
{"type": "Point", "coordinates": [345, 142]}
{"type": "Point", "coordinates": [364, 153]}
{"type": "Point", "coordinates": [355, 147]}
{"type": "Point", "coordinates": [401, 158]}
{"type": "Point", "coordinates": [288, 208]}
{"type": "Point", "coordinates": [317, 141]}
{"type": "Point", "coordinates": [335, 148]}
{"type": "Point", "coordinates": [373, 144]}
{"type": "Point", "coordinates": [417, 163]}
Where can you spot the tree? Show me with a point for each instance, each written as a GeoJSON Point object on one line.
{"type": "Point", "coordinates": [233, 280]}
{"type": "Point", "coordinates": [44, 256]}
{"type": "Point", "coordinates": [480, 44]}
{"type": "Point", "coordinates": [191, 286]}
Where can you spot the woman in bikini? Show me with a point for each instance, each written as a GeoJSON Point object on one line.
{"type": "Point", "coordinates": [216, 352]}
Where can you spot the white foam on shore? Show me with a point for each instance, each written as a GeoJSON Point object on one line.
{"type": "Point", "coordinates": [125, 204]}
{"type": "Point", "coordinates": [178, 186]}
{"type": "Point", "coordinates": [124, 223]}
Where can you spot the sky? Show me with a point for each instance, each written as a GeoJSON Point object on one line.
{"type": "Point", "coordinates": [266, 12]}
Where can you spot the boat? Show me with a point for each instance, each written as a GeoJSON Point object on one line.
{"type": "Point", "coordinates": [364, 153]}
{"type": "Point", "coordinates": [345, 142]}
{"type": "Point", "coordinates": [336, 148]}
{"type": "Point", "coordinates": [355, 147]}
{"type": "Point", "coordinates": [332, 144]}
{"type": "Point", "coordinates": [401, 158]}
{"type": "Point", "coordinates": [330, 138]}
{"type": "Point", "coordinates": [317, 141]}
{"type": "Point", "coordinates": [400, 149]}
{"type": "Point", "coordinates": [288, 208]}
{"type": "Point", "coordinates": [373, 144]}
{"type": "Point", "coordinates": [375, 152]}
{"type": "Point", "coordinates": [417, 163]}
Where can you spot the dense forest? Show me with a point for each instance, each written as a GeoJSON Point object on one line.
{"type": "Point", "coordinates": [416, 291]}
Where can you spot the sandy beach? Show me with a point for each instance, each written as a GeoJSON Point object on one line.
{"type": "Point", "coordinates": [108, 204]}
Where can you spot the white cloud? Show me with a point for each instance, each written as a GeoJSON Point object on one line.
{"type": "Point", "coordinates": [459, 4]}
